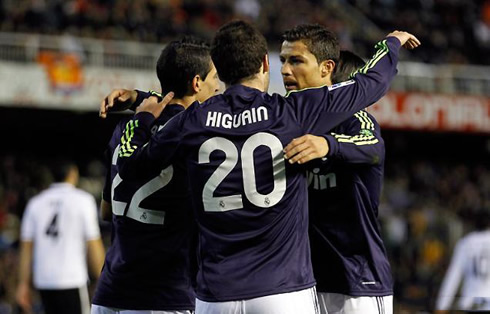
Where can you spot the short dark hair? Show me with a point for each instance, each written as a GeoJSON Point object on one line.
{"type": "Point", "coordinates": [237, 51]}
{"type": "Point", "coordinates": [348, 62]}
{"type": "Point", "coordinates": [180, 61]}
{"type": "Point", "coordinates": [321, 42]}
{"type": "Point", "coordinates": [482, 218]}
{"type": "Point", "coordinates": [60, 168]}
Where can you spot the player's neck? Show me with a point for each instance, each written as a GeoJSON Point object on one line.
{"type": "Point", "coordinates": [72, 177]}
{"type": "Point", "coordinates": [71, 180]}
{"type": "Point", "coordinates": [185, 101]}
{"type": "Point", "coordinates": [255, 82]}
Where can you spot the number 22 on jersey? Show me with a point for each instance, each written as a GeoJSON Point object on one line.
{"type": "Point", "coordinates": [135, 211]}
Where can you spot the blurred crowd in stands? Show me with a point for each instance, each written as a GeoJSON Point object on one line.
{"type": "Point", "coordinates": [452, 31]}
{"type": "Point", "coordinates": [426, 207]}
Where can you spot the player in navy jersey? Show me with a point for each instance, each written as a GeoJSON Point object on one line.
{"type": "Point", "coordinates": [349, 259]}
{"type": "Point", "coordinates": [148, 266]}
{"type": "Point", "coordinates": [251, 205]}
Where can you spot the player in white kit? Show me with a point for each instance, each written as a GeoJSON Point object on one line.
{"type": "Point", "coordinates": [59, 229]}
{"type": "Point", "coordinates": [470, 265]}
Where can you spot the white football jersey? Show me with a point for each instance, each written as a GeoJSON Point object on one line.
{"type": "Point", "coordinates": [59, 221]}
{"type": "Point", "coordinates": [470, 263]}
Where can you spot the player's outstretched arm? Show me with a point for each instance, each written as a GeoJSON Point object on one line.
{"type": "Point", "coordinates": [407, 40]}
{"type": "Point", "coordinates": [117, 100]}
{"type": "Point", "coordinates": [319, 110]}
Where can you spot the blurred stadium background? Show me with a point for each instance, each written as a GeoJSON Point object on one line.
{"type": "Point", "coordinates": [58, 58]}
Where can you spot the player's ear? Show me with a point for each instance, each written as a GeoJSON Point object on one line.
{"type": "Point", "coordinates": [265, 63]}
{"type": "Point", "coordinates": [196, 84]}
{"type": "Point", "coordinates": [327, 67]}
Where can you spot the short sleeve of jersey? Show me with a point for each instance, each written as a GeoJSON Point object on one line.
{"type": "Point", "coordinates": [89, 216]}
{"type": "Point", "coordinates": [28, 224]}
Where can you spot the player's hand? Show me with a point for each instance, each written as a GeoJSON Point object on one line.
{"type": "Point", "coordinates": [306, 148]}
{"type": "Point", "coordinates": [154, 107]}
{"type": "Point", "coordinates": [117, 100]}
{"type": "Point", "coordinates": [407, 40]}
{"type": "Point", "coordinates": [23, 297]}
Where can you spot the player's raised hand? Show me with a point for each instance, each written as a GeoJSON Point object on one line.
{"type": "Point", "coordinates": [117, 100]}
{"type": "Point", "coordinates": [152, 105]}
{"type": "Point", "coordinates": [407, 40]}
{"type": "Point", "coordinates": [306, 148]}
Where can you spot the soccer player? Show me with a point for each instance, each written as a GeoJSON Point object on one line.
{"type": "Point", "coordinates": [148, 266]}
{"type": "Point", "coordinates": [59, 230]}
{"type": "Point", "coordinates": [349, 259]}
{"type": "Point", "coordinates": [470, 265]}
{"type": "Point", "coordinates": [250, 205]}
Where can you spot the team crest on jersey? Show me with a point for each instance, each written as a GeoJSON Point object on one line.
{"type": "Point", "coordinates": [267, 201]}
{"type": "Point", "coordinates": [366, 132]}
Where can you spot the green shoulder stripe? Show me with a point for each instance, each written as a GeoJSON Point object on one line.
{"type": "Point", "coordinates": [126, 148]}
{"type": "Point", "coordinates": [382, 50]}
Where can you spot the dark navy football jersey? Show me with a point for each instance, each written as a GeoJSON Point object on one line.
{"type": "Point", "coordinates": [147, 266]}
{"type": "Point", "coordinates": [251, 205]}
{"type": "Point", "coordinates": [347, 251]}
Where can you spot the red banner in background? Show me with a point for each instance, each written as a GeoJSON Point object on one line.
{"type": "Point", "coordinates": [438, 112]}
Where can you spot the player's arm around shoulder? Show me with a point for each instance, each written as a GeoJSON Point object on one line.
{"type": "Point", "coordinates": [359, 142]}
{"type": "Point", "coordinates": [136, 135]}
{"type": "Point", "coordinates": [305, 148]}
{"type": "Point", "coordinates": [117, 100]}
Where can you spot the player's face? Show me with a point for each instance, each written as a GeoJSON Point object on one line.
{"type": "Point", "coordinates": [209, 86]}
{"type": "Point", "coordinates": [300, 69]}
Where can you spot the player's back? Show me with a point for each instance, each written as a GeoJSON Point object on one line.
{"type": "Point", "coordinates": [475, 251]}
{"type": "Point", "coordinates": [148, 263]}
{"type": "Point", "coordinates": [250, 203]}
{"type": "Point", "coordinates": [58, 222]}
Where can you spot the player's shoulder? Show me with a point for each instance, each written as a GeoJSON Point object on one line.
{"type": "Point", "coordinates": [475, 236]}
{"type": "Point", "coordinates": [199, 109]}
{"type": "Point", "coordinates": [468, 241]}
{"type": "Point", "coordinates": [120, 126]}
{"type": "Point", "coordinates": [216, 100]}
{"type": "Point", "coordinates": [365, 118]}
{"type": "Point", "coordinates": [307, 92]}
{"type": "Point", "coordinates": [39, 197]}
